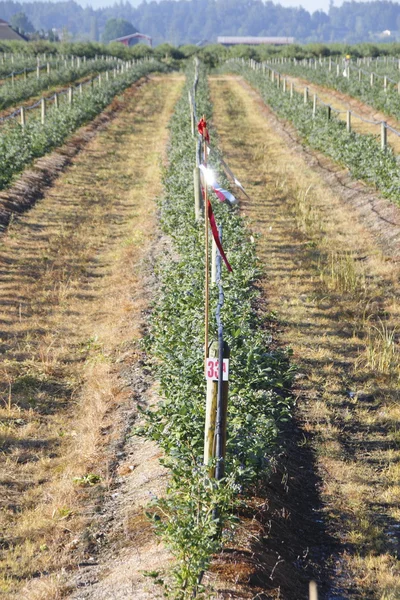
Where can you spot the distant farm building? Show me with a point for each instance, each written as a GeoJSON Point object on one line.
{"type": "Point", "coordinates": [7, 33]}
{"type": "Point", "coordinates": [134, 38]}
{"type": "Point", "coordinates": [254, 41]}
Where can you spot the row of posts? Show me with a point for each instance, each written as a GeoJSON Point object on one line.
{"type": "Point", "coordinates": [346, 68]}
{"type": "Point", "coordinates": [277, 77]}
{"type": "Point", "coordinates": [39, 67]}
{"type": "Point", "coordinates": [323, 60]}
{"type": "Point", "coordinates": [70, 95]}
{"type": "Point", "coordinates": [43, 57]}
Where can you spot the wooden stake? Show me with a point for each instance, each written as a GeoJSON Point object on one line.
{"type": "Point", "coordinates": [213, 261]}
{"type": "Point", "coordinates": [348, 121]}
{"type": "Point", "coordinates": [383, 136]}
{"type": "Point", "coordinates": [211, 415]}
{"type": "Point", "coordinates": [197, 194]}
{"type": "Point", "coordinates": [206, 251]}
{"type": "Point", "coordinates": [313, 590]}
{"type": "Point", "coordinates": [192, 123]}
{"type": "Point", "coordinates": [43, 110]}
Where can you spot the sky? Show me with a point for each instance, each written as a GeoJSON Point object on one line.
{"type": "Point", "coordinates": [310, 5]}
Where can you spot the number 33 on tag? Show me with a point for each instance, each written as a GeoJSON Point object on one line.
{"type": "Point", "coordinates": [212, 368]}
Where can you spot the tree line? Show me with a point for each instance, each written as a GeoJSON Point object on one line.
{"type": "Point", "coordinates": [181, 22]}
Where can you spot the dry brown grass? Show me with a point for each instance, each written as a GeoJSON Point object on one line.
{"type": "Point", "coordinates": [337, 296]}
{"type": "Point", "coordinates": [72, 292]}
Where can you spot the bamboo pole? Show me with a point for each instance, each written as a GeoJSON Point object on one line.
{"type": "Point", "coordinates": [206, 317]}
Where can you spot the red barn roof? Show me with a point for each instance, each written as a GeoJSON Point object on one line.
{"type": "Point", "coordinates": [127, 39]}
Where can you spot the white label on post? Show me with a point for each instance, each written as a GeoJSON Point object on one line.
{"type": "Point", "coordinates": [212, 368]}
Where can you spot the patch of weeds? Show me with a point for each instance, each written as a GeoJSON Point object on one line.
{"type": "Point", "coordinates": [87, 480]}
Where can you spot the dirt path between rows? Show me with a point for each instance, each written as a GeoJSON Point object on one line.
{"type": "Point", "coordinates": [343, 103]}
{"type": "Point", "coordinates": [75, 288]}
{"type": "Point", "coordinates": [331, 290]}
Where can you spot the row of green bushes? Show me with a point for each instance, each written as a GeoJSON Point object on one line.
{"type": "Point", "coordinates": [259, 401]}
{"type": "Point", "coordinates": [20, 145]}
{"type": "Point", "coordinates": [211, 54]}
{"type": "Point", "coordinates": [361, 154]}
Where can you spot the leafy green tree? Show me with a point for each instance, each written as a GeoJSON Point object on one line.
{"type": "Point", "coordinates": [21, 23]}
{"type": "Point", "coordinates": [116, 28]}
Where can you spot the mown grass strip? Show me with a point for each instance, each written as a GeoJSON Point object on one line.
{"type": "Point", "coordinates": [260, 377]}
{"type": "Point", "coordinates": [361, 154]}
{"type": "Point", "coordinates": [20, 145]}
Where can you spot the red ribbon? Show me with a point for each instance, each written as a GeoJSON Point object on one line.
{"type": "Point", "coordinates": [215, 233]}
{"type": "Point", "coordinates": [202, 129]}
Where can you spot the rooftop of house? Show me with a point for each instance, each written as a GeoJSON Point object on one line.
{"type": "Point", "coordinates": [254, 40]}
{"type": "Point", "coordinates": [7, 33]}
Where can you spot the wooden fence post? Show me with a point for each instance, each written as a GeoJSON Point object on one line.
{"type": "Point", "coordinates": [56, 100]}
{"type": "Point", "coordinates": [313, 590]}
{"type": "Point", "coordinates": [291, 90]}
{"type": "Point", "coordinates": [23, 120]}
{"type": "Point", "coordinates": [43, 110]}
{"type": "Point", "coordinates": [211, 411]}
{"type": "Point", "coordinates": [371, 80]}
{"type": "Point", "coordinates": [348, 121]}
{"type": "Point", "coordinates": [198, 203]}
{"type": "Point", "coordinates": [314, 108]}
{"type": "Point", "coordinates": [213, 261]}
{"type": "Point", "coordinates": [384, 136]}
{"type": "Point", "coordinates": [70, 96]}
{"type": "Point", "coordinates": [192, 124]}
{"type": "Point", "coordinates": [305, 95]}
{"type": "Point", "coordinates": [211, 414]}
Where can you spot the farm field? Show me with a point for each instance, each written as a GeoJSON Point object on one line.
{"type": "Point", "coordinates": [335, 293]}
{"type": "Point", "coordinates": [344, 102]}
{"type": "Point", "coordinates": [108, 257]}
{"type": "Point", "coordinates": [354, 93]}
{"type": "Point", "coordinates": [72, 294]}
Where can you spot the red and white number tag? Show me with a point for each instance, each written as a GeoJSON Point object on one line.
{"type": "Point", "coordinates": [212, 369]}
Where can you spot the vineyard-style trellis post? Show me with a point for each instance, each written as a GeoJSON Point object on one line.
{"type": "Point", "coordinates": [348, 121]}
{"type": "Point", "coordinates": [384, 136]}
{"type": "Point", "coordinates": [43, 110]}
{"type": "Point", "coordinates": [222, 398]}
{"type": "Point", "coordinates": [313, 590]}
{"type": "Point", "coordinates": [206, 250]}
